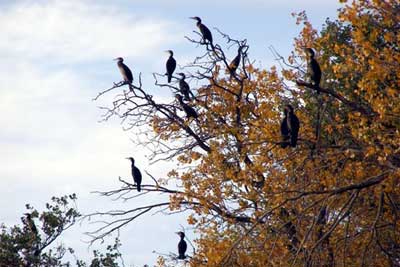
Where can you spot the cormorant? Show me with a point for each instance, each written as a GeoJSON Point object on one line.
{"type": "Point", "coordinates": [171, 65]}
{"type": "Point", "coordinates": [31, 224]}
{"type": "Point", "coordinates": [190, 112]}
{"type": "Point", "coordinates": [314, 69]}
{"type": "Point", "coordinates": [184, 87]}
{"type": "Point", "coordinates": [125, 71]}
{"type": "Point", "coordinates": [182, 246]}
{"type": "Point", "coordinates": [136, 174]}
{"type": "Point", "coordinates": [235, 62]}
{"type": "Point", "coordinates": [205, 32]}
{"type": "Point", "coordinates": [293, 125]}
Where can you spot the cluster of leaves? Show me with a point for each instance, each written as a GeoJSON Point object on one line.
{"type": "Point", "coordinates": [332, 200]}
{"type": "Point", "coordinates": [32, 243]}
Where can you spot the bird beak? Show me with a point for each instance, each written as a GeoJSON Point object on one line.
{"type": "Point", "coordinates": [115, 59]}
{"type": "Point", "coordinates": [192, 18]}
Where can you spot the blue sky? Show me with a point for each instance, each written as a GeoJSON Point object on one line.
{"type": "Point", "coordinates": [57, 55]}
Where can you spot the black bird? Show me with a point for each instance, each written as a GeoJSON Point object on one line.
{"type": "Point", "coordinates": [235, 62]}
{"type": "Point", "coordinates": [190, 112]}
{"type": "Point", "coordinates": [314, 70]}
{"type": "Point", "coordinates": [136, 174]}
{"type": "Point", "coordinates": [184, 87]}
{"type": "Point", "coordinates": [293, 125]}
{"type": "Point", "coordinates": [31, 224]}
{"type": "Point", "coordinates": [205, 32]}
{"type": "Point", "coordinates": [125, 71]}
{"type": "Point", "coordinates": [182, 246]}
{"type": "Point", "coordinates": [171, 65]}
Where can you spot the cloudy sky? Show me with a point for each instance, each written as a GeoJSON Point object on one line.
{"type": "Point", "coordinates": [56, 55]}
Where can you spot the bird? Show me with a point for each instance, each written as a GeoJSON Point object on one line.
{"type": "Point", "coordinates": [190, 112]}
{"type": "Point", "coordinates": [293, 125]}
{"type": "Point", "coordinates": [136, 174]}
{"type": "Point", "coordinates": [182, 246]}
{"type": "Point", "coordinates": [171, 65]}
{"type": "Point", "coordinates": [235, 62]}
{"type": "Point", "coordinates": [31, 224]}
{"type": "Point", "coordinates": [184, 87]}
{"type": "Point", "coordinates": [125, 71]}
{"type": "Point", "coordinates": [205, 32]}
{"type": "Point", "coordinates": [314, 70]}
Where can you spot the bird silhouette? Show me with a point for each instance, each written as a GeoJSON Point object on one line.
{"type": "Point", "coordinates": [170, 65]}
{"type": "Point", "coordinates": [125, 71]}
{"type": "Point", "coordinates": [136, 174]}
{"type": "Point", "coordinates": [190, 112]}
{"type": "Point", "coordinates": [184, 88]}
{"type": "Point", "coordinates": [31, 224]}
{"type": "Point", "coordinates": [182, 246]}
{"type": "Point", "coordinates": [235, 62]}
{"type": "Point", "coordinates": [314, 70]}
{"type": "Point", "coordinates": [293, 125]}
{"type": "Point", "coordinates": [205, 32]}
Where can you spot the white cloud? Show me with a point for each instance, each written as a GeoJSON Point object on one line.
{"type": "Point", "coordinates": [75, 31]}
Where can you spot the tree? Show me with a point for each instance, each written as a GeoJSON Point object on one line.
{"type": "Point", "coordinates": [31, 244]}
{"type": "Point", "coordinates": [331, 201]}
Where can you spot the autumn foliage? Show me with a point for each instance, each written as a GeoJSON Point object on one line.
{"type": "Point", "coordinates": [334, 200]}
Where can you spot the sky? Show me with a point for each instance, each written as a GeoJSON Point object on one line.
{"type": "Point", "coordinates": [56, 55]}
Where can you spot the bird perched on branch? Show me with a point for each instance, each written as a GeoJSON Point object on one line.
{"type": "Point", "coordinates": [125, 71]}
{"type": "Point", "coordinates": [235, 62]}
{"type": "Point", "coordinates": [31, 224]}
{"type": "Point", "coordinates": [205, 32]}
{"type": "Point", "coordinates": [190, 112]}
{"type": "Point", "coordinates": [136, 174]}
{"type": "Point", "coordinates": [290, 126]}
{"type": "Point", "coordinates": [182, 246]}
{"type": "Point", "coordinates": [314, 70]}
{"type": "Point", "coordinates": [184, 87]}
{"type": "Point", "coordinates": [171, 65]}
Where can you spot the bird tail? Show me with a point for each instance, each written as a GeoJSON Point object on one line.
{"type": "Point", "coordinates": [138, 187]}
{"type": "Point", "coordinates": [169, 78]}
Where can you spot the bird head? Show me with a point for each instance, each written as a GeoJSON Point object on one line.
{"type": "Point", "coordinates": [170, 52]}
{"type": "Point", "coordinates": [310, 52]}
{"type": "Point", "coordinates": [119, 59]}
{"type": "Point", "coordinates": [288, 109]}
{"type": "Point", "coordinates": [182, 75]}
{"type": "Point", "coordinates": [181, 234]}
{"type": "Point", "coordinates": [196, 18]}
{"type": "Point", "coordinates": [131, 159]}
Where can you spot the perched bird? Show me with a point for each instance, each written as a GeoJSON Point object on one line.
{"type": "Point", "coordinates": [136, 174]}
{"type": "Point", "coordinates": [293, 124]}
{"type": "Point", "coordinates": [190, 112]}
{"type": "Point", "coordinates": [205, 32]}
{"type": "Point", "coordinates": [171, 65]}
{"type": "Point", "coordinates": [235, 62]}
{"type": "Point", "coordinates": [184, 87]}
{"type": "Point", "coordinates": [182, 246]}
{"type": "Point", "coordinates": [31, 224]}
{"type": "Point", "coordinates": [125, 71]}
{"type": "Point", "coordinates": [314, 69]}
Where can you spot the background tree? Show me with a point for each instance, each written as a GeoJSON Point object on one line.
{"type": "Point", "coordinates": [331, 201]}
{"type": "Point", "coordinates": [32, 243]}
